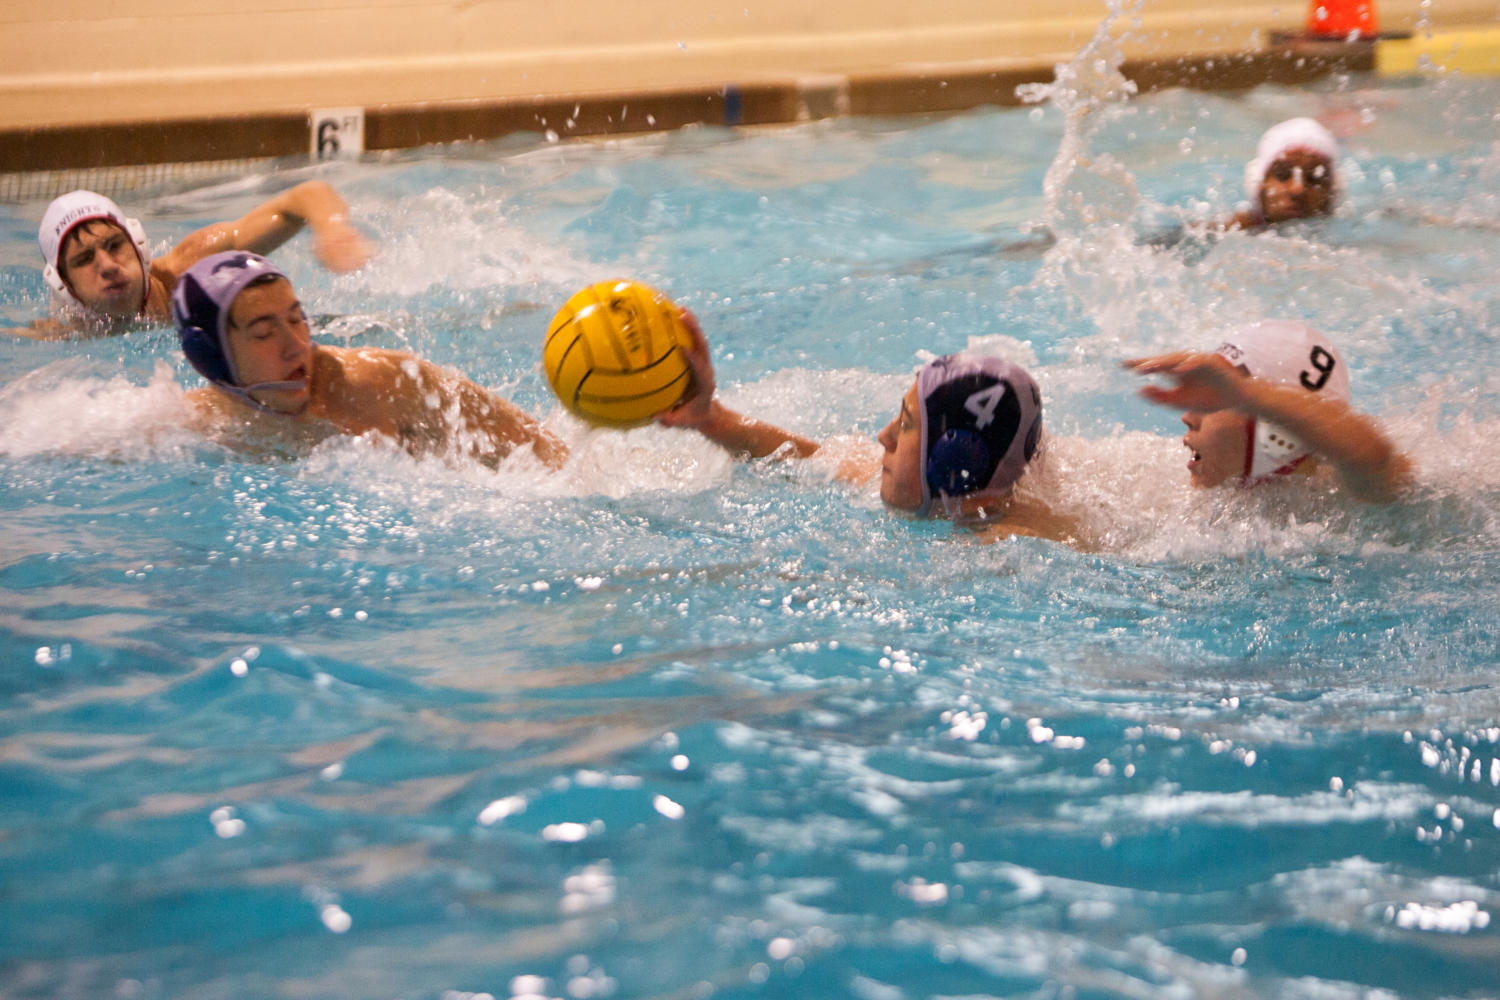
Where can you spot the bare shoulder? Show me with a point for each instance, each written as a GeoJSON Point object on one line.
{"type": "Point", "coordinates": [1033, 517]}
{"type": "Point", "coordinates": [380, 385]}
{"type": "Point", "coordinates": [210, 410]}
{"type": "Point", "coordinates": [377, 365]}
{"type": "Point", "coordinates": [173, 264]}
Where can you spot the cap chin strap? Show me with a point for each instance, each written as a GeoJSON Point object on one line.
{"type": "Point", "coordinates": [242, 393]}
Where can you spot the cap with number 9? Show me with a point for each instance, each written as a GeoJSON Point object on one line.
{"type": "Point", "coordinates": [1291, 353]}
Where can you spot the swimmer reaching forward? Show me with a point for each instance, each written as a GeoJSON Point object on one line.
{"type": "Point", "coordinates": [242, 327]}
{"type": "Point", "coordinates": [1273, 402]}
{"type": "Point", "coordinates": [99, 262]}
{"type": "Point", "coordinates": [967, 430]}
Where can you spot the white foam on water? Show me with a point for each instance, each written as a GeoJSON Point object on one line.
{"type": "Point", "coordinates": [66, 408]}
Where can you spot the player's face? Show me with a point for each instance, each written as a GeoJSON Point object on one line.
{"type": "Point", "coordinates": [1298, 184]}
{"type": "Point", "coordinates": [1219, 442]}
{"type": "Point", "coordinates": [270, 341]}
{"type": "Point", "coordinates": [99, 263]}
{"type": "Point", "coordinates": [901, 465]}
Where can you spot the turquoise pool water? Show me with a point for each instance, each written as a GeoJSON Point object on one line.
{"type": "Point", "coordinates": [338, 723]}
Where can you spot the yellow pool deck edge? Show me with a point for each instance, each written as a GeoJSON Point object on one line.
{"type": "Point", "coordinates": [1473, 52]}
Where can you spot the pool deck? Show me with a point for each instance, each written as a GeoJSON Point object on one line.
{"type": "Point", "coordinates": [210, 81]}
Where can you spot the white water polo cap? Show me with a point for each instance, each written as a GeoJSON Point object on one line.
{"type": "Point", "coordinates": [980, 422]}
{"type": "Point", "coordinates": [1289, 353]}
{"type": "Point", "coordinates": [1294, 133]}
{"type": "Point", "coordinates": [67, 213]}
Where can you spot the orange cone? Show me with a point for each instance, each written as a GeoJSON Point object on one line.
{"type": "Point", "coordinates": [1342, 18]}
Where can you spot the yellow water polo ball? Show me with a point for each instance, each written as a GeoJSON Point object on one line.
{"type": "Point", "coordinates": [615, 354]}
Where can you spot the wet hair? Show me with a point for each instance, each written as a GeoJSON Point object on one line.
{"type": "Point", "coordinates": [86, 227]}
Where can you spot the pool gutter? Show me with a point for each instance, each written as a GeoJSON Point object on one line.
{"type": "Point", "coordinates": [121, 155]}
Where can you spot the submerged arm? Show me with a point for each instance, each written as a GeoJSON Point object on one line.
{"type": "Point", "coordinates": [504, 425]}
{"type": "Point", "coordinates": [46, 329]}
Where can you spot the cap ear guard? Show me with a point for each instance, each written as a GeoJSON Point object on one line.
{"type": "Point", "coordinates": [1034, 434]}
{"type": "Point", "coordinates": [201, 347]}
{"type": "Point", "coordinates": [55, 280]}
{"type": "Point", "coordinates": [137, 234]}
{"type": "Point", "coordinates": [1272, 451]}
{"type": "Point", "coordinates": [958, 462]}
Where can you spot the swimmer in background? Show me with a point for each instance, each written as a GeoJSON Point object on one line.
{"type": "Point", "coordinates": [1294, 175]}
{"type": "Point", "coordinates": [242, 327]}
{"type": "Point", "coordinates": [98, 262]}
{"type": "Point", "coordinates": [1273, 402]}
{"type": "Point", "coordinates": [966, 432]}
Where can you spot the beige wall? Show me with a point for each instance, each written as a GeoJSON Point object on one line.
{"type": "Point", "coordinates": [72, 62]}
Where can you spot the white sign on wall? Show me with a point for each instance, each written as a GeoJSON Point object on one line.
{"type": "Point", "coordinates": [337, 133]}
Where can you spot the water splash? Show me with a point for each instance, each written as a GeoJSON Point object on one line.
{"type": "Point", "coordinates": [65, 408]}
{"type": "Point", "coordinates": [1084, 189]}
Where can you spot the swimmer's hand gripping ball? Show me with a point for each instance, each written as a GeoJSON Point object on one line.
{"type": "Point", "coordinates": [615, 354]}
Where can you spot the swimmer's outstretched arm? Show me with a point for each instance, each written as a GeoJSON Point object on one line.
{"type": "Point", "coordinates": [500, 422]}
{"type": "Point", "coordinates": [432, 407]}
{"type": "Point", "coordinates": [700, 410]}
{"type": "Point", "coordinates": [45, 329]}
{"type": "Point", "coordinates": [1366, 460]}
{"type": "Point", "coordinates": [314, 204]}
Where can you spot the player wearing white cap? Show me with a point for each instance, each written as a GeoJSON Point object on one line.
{"type": "Point", "coordinates": [98, 262]}
{"type": "Point", "coordinates": [1294, 174]}
{"type": "Point", "coordinates": [1273, 401]}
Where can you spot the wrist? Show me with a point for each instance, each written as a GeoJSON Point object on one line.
{"type": "Point", "coordinates": [719, 418]}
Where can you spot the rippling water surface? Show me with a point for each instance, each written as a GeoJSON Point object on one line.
{"type": "Point", "coordinates": [339, 723]}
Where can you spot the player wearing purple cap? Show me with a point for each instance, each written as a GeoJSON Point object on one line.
{"type": "Point", "coordinates": [242, 327]}
{"type": "Point", "coordinates": [1273, 402]}
{"type": "Point", "coordinates": [965, 434]}
{"type": "Point", "coordinates": [99, 264]}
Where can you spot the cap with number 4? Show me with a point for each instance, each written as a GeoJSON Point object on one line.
{"type": "Point", "coordinates": [981, 422]}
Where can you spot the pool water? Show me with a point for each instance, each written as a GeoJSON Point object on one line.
{"type": "Point", "coordinates": [335, 722]}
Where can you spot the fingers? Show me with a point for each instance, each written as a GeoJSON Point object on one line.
{"type": "Point", "coordinates": [1170, 363]}
{"type": "Point", "coordinates": [343, 251]}
{"type": "Point", "coordinates": [1160, 396]}
{"type": "Point", "coordinates": [696, 404]}
{"type": "Point", "coordinates": [691, 322]}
